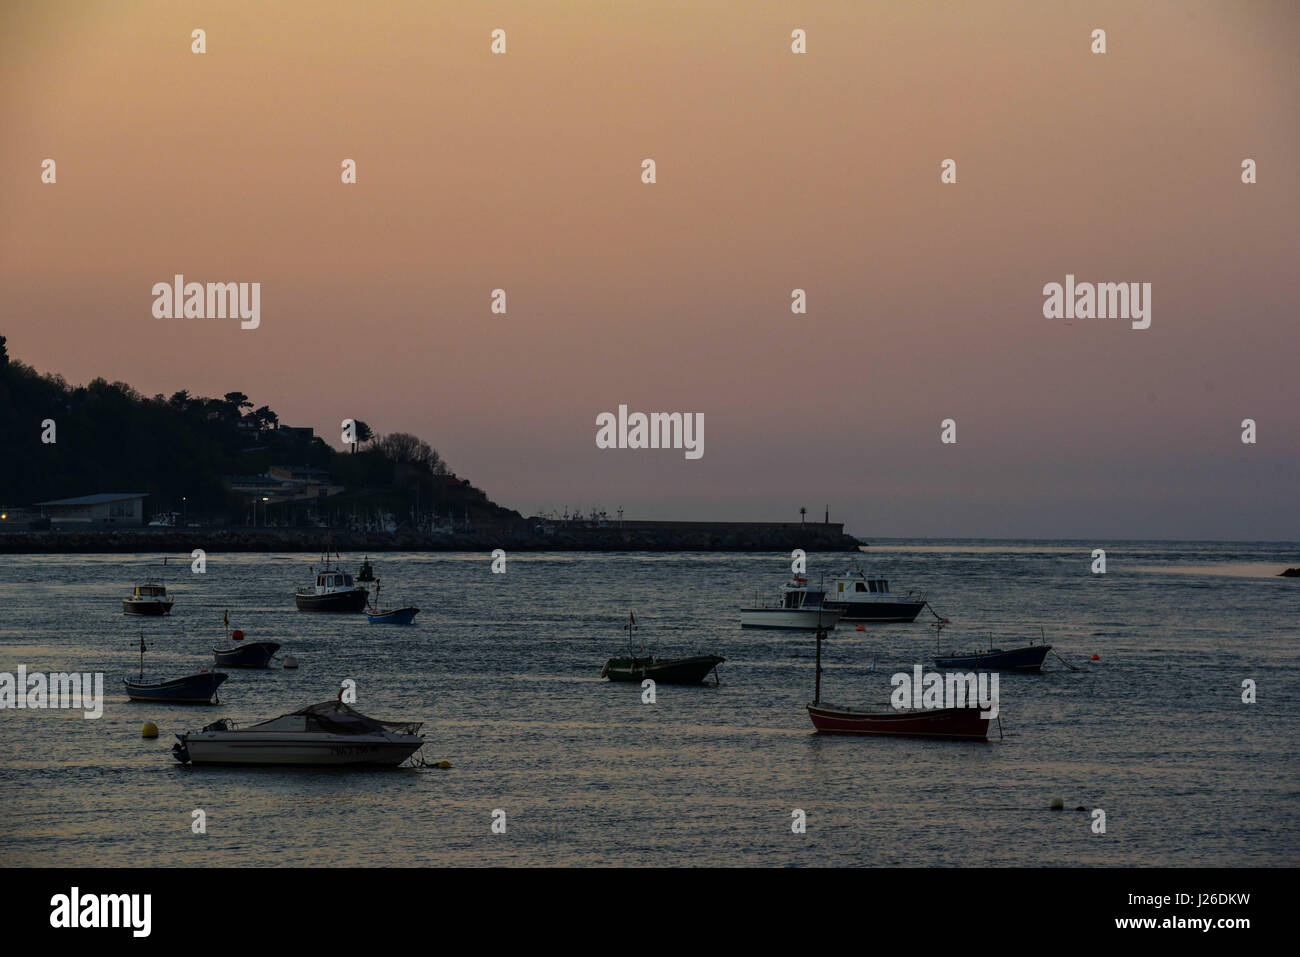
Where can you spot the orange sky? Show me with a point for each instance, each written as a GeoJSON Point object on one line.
{"type": "Point", "coordinates": [775, 171]}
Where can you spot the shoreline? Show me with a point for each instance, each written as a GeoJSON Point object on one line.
{"type": "Point", "coordinates": [672, 538]}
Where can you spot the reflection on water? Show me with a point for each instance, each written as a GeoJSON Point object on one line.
{"type": "Point", "coordinates": [504, 670]}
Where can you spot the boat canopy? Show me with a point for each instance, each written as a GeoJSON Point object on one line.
{"type": "Point", "coordinates": [335, 717]}
{"type": "Point", "coordinates": [149, 591]}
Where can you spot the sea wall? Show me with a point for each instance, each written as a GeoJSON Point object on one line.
{"type": "Point", "coordinates": [527, 536]}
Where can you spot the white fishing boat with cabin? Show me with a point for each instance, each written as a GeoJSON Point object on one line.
{"type": "Point", "coordinates": [801, 608]}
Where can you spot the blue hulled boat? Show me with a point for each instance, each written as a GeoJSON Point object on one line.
{"type": "Point", "coordinates": [200, 688]}
{"type": "Point", "coordinates": [389, 616]}
{"type": "Point", "coordinates": [396, 616]}
{"type": "Point", "coordinates": [1029, 658]}
{"type": "Point", "coordinates": [192, 689]}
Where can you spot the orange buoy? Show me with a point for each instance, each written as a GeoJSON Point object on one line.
{"type": "Point", "coordinates": [862, 628]}
{"type": "Point", "coordinates": [237, 635]}
{"type": "Point", "coordinates": [1096, 657]}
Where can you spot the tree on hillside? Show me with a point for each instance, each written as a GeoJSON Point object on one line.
{"type": "Point", "coordinates": [264, 418]}
{"type": "Point", "coordinates": [403, 448]}
{"type": "Point", "coordinates": [363, 434]}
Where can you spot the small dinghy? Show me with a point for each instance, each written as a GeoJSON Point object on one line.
{"type": "Point", "coordinates": [1027, 659]}
{"type": "Point", "coordinates": [669, 671]}
{"type": "Point", "coordinates": [664, 671]}
{"type": "Point", "coordinates": [329, 733]}
{"type": "Point", "coordinates": [254, 654]}
{"type": "Point", "coordinates": [199, 688]}
{"type": "Point", "coordinates": [953, 724]}
{"type": "Point", "coordinates": [390, 616]}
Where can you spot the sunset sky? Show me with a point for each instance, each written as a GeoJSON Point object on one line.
{"type": "Point", "coordinates": [775, 171]}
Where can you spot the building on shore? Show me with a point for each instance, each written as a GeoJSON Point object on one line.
{"type": "Point", "coordinates": [104, 508]}
{"type": "Point", "coordinates": [14, 519]}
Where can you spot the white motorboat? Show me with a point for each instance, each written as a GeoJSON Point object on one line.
{"type": "Point", "coordinates": [150, 600]}
{"type": "Point", "coordinates": [801, 608]}
{"type": "Point", "coordinates": [329, 733]}
{"type": "Point", "coordinates": [863, 597]}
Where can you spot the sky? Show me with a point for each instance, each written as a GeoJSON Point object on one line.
{"type": "Point", "coordinates": [775, 171]}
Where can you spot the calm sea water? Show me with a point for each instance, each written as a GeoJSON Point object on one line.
{"type": "Point", "coordinates": [504, 671]}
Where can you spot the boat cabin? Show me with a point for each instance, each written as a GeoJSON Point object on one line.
{"type": "Point", "coordinates": [796, 595]}
{"type": "Point", "coordinates": [861, 585]}
{"type": "Point", "coordinates": [330, 581]}
{"type": "Point", "coordinates": [149, 591]}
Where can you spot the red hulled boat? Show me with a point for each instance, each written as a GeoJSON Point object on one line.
{"type": "Point", "coordinates": [953, 724]}
{"type": "Point", "coordinates": [958, 724]}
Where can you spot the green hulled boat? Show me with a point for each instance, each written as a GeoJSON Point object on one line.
{"type": "Point", "coordinates": [668, 671]}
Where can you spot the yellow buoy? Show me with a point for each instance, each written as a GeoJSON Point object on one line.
{"type": "Point", "coordinates": [444, 765]}
{"type": "Point", "coordinates": [1057, 804]}
{"type": "Point", "coordinates": [150, 730]}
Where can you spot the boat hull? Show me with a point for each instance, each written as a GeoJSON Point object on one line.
{"type": "Point", "coordinates": [192, 689]}
{"type": "Point", "coordinates": [148, 608]}
{"type": "Point", "coordinates": [877, 611]}
{"type": "Point", "coordinates": [795, 619]}
{"type": "Point", "coordinates": [295, 749]}
{"type": "Point", "coordinates": [953, 724]}
{"type": "Point", "coordinates": [352, 600]}
{"type": "Point", "coordinates": [399, 616]}
{"type": "Point", "coordinates": [255, 654]}
{"type": "Point", "coordinates": [1028, 659]}
{"type": "Point", "coordinates": [668, 671]}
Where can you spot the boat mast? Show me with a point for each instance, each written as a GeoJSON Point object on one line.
{"type": "Point", "coordinates": [142, 654]}
{"type": "Point", "coordinates": [817, 690]}
{"type": "Point", "coordinates": [629, 628]}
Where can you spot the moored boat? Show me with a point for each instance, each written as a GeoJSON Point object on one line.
{"type": "Point", "coordinates": [150, 600]}
{"type": "Point", "coordinates": [254, 654]}
{"type": "Point", "coordinates": [334, 591]}
{"type": "Point", "coordinates": [394, 616]}
{"type": "Point", "coordinates": [801, 608]}
{"type": "Point", "coordinates": [1028, 659]}
{"type": "Point", "coordinates": [666, 671]}
{"type": "Point", "coordinates": [329, 733]}
{"type": "Point", "coordinates": [867, 598]}
{"type": "Point", "coordinates": [955, 724]}
{"type": "Point", "coordinates": [639, 664]}
{"type": "Point", "coordinates": [390, 616]}
{"type": "Point", "coordinates": [198, 688]}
